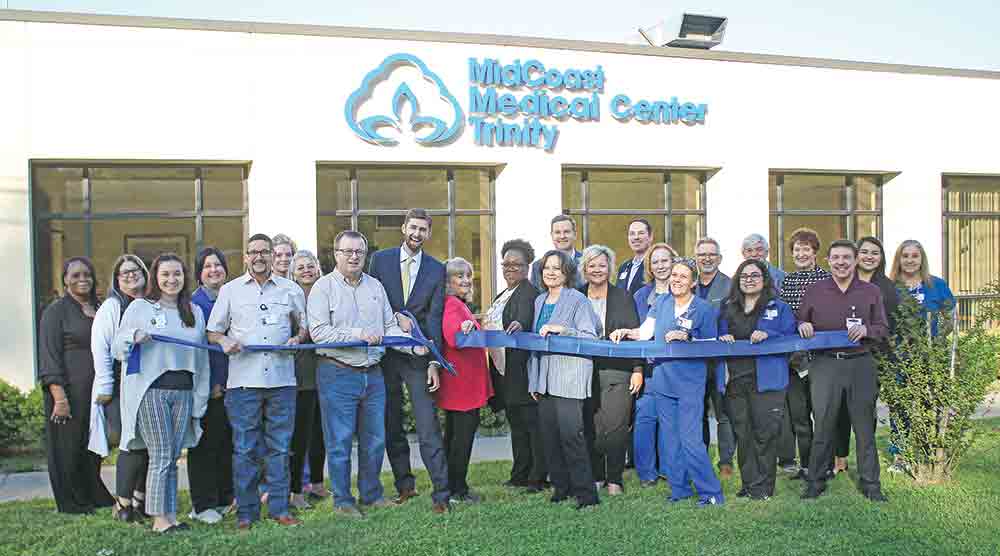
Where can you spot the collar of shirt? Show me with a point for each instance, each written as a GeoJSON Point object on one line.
{"type": "Point", "coordinates": [248, 277]}
{"type": "Point", "coordinates": [404, 253]}
{"type": "Point", "coordinates": [341, 278]}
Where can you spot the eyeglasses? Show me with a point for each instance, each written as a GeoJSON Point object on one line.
{"type": "Point", "coordinates": [131, 273]}
{"type": "Point", "coordinates": [512, 266]}
{"type": "Point", "coordinates": [751, 277]}
{"type": "Point", "coordinates": [706, 255]}
{"type": "Point", "coordinates": [260, 253]}
{"type": "Point", "coordinates": [352, 252]}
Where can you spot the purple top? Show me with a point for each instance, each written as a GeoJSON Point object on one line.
{"type": "Point", "coordinates": [828, 308]}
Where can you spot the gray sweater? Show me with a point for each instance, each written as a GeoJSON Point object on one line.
{"type": "Point", "coordinates": [566, 376]}
{"type": "Point", "coordinates": [157, 358]}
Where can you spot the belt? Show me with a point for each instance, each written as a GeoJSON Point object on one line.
{"type": "Point", "coordinates": [844, 354]}
{"type": "Point", "coordinates": [340, 363]}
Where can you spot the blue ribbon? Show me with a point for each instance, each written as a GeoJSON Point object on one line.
{"type": "Point", "coordinates": [651, 350]}
{"type": "Point", "coordinates": [418, 339]}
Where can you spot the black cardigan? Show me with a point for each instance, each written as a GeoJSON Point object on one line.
{"type": "Point", "coordinates": [621, 313]}
{"type": "Point", "coordinates": [512, 386]}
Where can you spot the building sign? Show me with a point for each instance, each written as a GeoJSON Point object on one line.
{"type": "Point", "coordinates": [520, 104]}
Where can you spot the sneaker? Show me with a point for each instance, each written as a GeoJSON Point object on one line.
{"type": "Point", "coordinates": [209, 516]}
{"type": "Point", "coordinates": [710, 501]}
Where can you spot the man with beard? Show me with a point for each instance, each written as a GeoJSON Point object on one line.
{"type": "Point", "coordinates": [260, 307]}
{"type": "Point", "coordinates": [414, 282]}
{"type": "Point", "coordinates": [844, 302]}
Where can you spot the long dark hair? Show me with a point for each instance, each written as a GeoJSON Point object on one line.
{"type": "Point", "coordinates": [153, 292]}
{"type": "Point", "coordinates": [735, 299]}
{"type": "Point", "coordinates": [880, 269]}
{"type": "Point", "coordinates": [113, 289]}
{"type": "Point", "coordinates": [92, 297]}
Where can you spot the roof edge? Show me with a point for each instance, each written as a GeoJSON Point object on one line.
{"type": "Point", "coordinates": [31, 16]}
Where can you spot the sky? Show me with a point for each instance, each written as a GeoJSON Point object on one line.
{"type": "Point", "coordinates": [955, 34]}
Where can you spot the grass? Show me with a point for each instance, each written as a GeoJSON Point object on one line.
{"type": "Point", "coordinates": [22, 461]}
{"type": "Point", "coordinates": [958, 518]}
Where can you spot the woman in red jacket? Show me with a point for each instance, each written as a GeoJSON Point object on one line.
{"type": "Point", "coordinates": [461, 396]}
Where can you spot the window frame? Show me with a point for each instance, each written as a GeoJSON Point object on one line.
{"type": "Point", "coordinates": [849, 211]}
{"type": "Point", "coordinates": [451, 212]}
{"type": "Point", "coordinates": [958, 215]}
{"type": "Point", "coordinates": [584, 212]}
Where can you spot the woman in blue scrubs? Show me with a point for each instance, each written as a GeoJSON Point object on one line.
{"type": "Point", "coordinates": [678, 385]}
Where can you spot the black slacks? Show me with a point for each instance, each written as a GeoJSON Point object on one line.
{"type": "Point", "coordinates": [526, 444]}
{"type": "Point", "coordinates": [74, 471]}
{"type": "Point", "coordinates": [210, 463]}
{"type": "Point", "coordinates": [606, 425]}
{"type": "Point", "coordinates": [459, 434]}
{"type": "Point", "coordinates": [566, 454]}
{"type": "Point", "coordinates": [799, 407]}
{"type": "Point", "coordinates": [317, 448]}
{"type": "Point", "coordinates": [843, 447]}
{"type": "Point", "coordinates": [756, 418]}
{"type": "Point", "coordinates": [306, 405]}
{"type": "Point", "coordinates": [830, 380]}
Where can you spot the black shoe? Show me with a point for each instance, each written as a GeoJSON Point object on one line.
{"type": "Point", "coordinates": [802, 475]}
{"type": "Point", "coordinates": [813, 491]}
{"type": "Point", "coordinates": [557, 498]}
{"type": "Point", "coordinates": [743, 493]}
{"type": "Point", "coordinates": [534, 488]}
{"type": "Point", "coordinates": [875, 495]}
{"type": "Point", "coordinates": [760, 497]}
{"type": "Point", "coordinates": [517, 484]}
{"type": "Point", "coordinates": [587, 504]}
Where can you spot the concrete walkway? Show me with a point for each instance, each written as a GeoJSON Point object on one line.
{"type": "Point", "coordinates": [28, 486]}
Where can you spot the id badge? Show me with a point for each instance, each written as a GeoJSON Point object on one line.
{"type": "Point", "coordinates": [270, 320]}
{"type": "Point", "coordinates": [771, 314]}
{"type": "Point", "coordinates": [919, 297]}
{"type": "Point", "coordinates": [852, 321]}
{"type": "Point", "coordinates": [623, 275]}
{"type": "Point", "coordinates": [160, 320]}
{"type": "Point", "coordinates": [684, 323]}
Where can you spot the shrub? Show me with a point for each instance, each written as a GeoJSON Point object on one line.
{"type": "Point", "coordinates": [22, 418]}
{"type": "Point", "coordinates": [933, 385]}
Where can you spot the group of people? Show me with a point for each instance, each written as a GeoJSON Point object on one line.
{"type": "Point", "coordinates": [255, 421]}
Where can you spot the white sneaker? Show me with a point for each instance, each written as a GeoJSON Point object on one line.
{"type": "Point", "coordinates": [209, 516]}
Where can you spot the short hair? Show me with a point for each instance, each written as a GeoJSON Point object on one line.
{"type": "Point", "coordinates": [804, 235]}
{"type": "Point", "coordinates": [647, 259]}
{"type": "Point", "coordinates": [897, 262]}
{"type": "Point", "coordinates": [519, 245]}
{"type": "Point", "coordinates": [594, 251]}
{"type": "Point", "coordinates": [703, 240]}
{"type": "Point", "coordinates": [649, 227]}
{"type": "Point", "coordinates": [199, 261]}
{"type": "Point", "coordinates": [562, 218]}
{"type": "Point", "coordinates": [753, 239]}
{"type": "Point", "coordinates": [282, 239]}
{"type": "Point", "coordinates": [693, 266]}
{"type": "Point", "coordinates": [303, 254]}
{"type": "Point", "coordinates": [93, 276]}
{"type": "Point", "coordinates": [567, 265]}
{"type": "Point", "coordinates": [354, 234]}
{"type": "Point", "coordinates": [845, 243]}
{"type": "Point", "coordinates": [419, 214]}
{"type": "Point", "coordinates": [453, 267]}
{"type": "Point", "coordinates": [261, 237]}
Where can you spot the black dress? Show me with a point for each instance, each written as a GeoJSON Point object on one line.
{"type": "Point", "coordinates": [65, 359]}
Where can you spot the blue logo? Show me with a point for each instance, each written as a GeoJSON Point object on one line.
{"type": "Point", "coordinates": [428, 130]}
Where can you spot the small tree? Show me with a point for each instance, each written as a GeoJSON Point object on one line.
{"type": "Point", "coordinates": [933, 385]}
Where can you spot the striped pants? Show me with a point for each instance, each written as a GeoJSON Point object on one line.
{"type": "Point", "coordinates": [163, 419]}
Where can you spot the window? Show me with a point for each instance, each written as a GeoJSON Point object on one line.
{"type": "Point", "coordinates": [101, 211]}
{"type": "Point", "coordinates": [837, 206]}
{"type": "Point", "coordinates": [602, 202]}
{"type": "Point", "coordinates": [971, 225]}
{"type": "Point", "coordinates": [374, 199]}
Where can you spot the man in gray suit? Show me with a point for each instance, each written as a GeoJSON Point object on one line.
{"type": "Point", "coordinates": [713, 286]}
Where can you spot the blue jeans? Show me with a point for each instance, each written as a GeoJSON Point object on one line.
{"type": "Point", "coordinates": [687, 458]}
{"type": "Point", "coordinates": [261, 416]}
{"type": "Point", "coordinates": [648, 439]}
{"type": "Point", "coordinates": [352, 400]}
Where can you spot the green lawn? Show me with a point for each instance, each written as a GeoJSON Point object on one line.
{"type": "Point", "coordinates": [960, 518]}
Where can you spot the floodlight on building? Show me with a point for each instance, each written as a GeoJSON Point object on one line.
{"type": "Point", "coordinates": [687, 31]}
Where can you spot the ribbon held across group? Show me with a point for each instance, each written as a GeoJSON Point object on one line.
{"type": "Point", "coordinates": [566, 345]}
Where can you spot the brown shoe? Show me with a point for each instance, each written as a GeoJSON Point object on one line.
{"type": "Point", "coordinates": [441, 507]}
{"type": "Point", "coordinates": [405, 495]}
{"type": "Point", "coordinates": [244, 525]}
{"type": "Point", "coordinates": [286, 520]}
{"type": "Point", "coordinates": [725, 471]}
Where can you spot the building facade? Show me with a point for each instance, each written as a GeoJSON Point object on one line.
{"type": "Point", "coordinates": [148, 135]}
